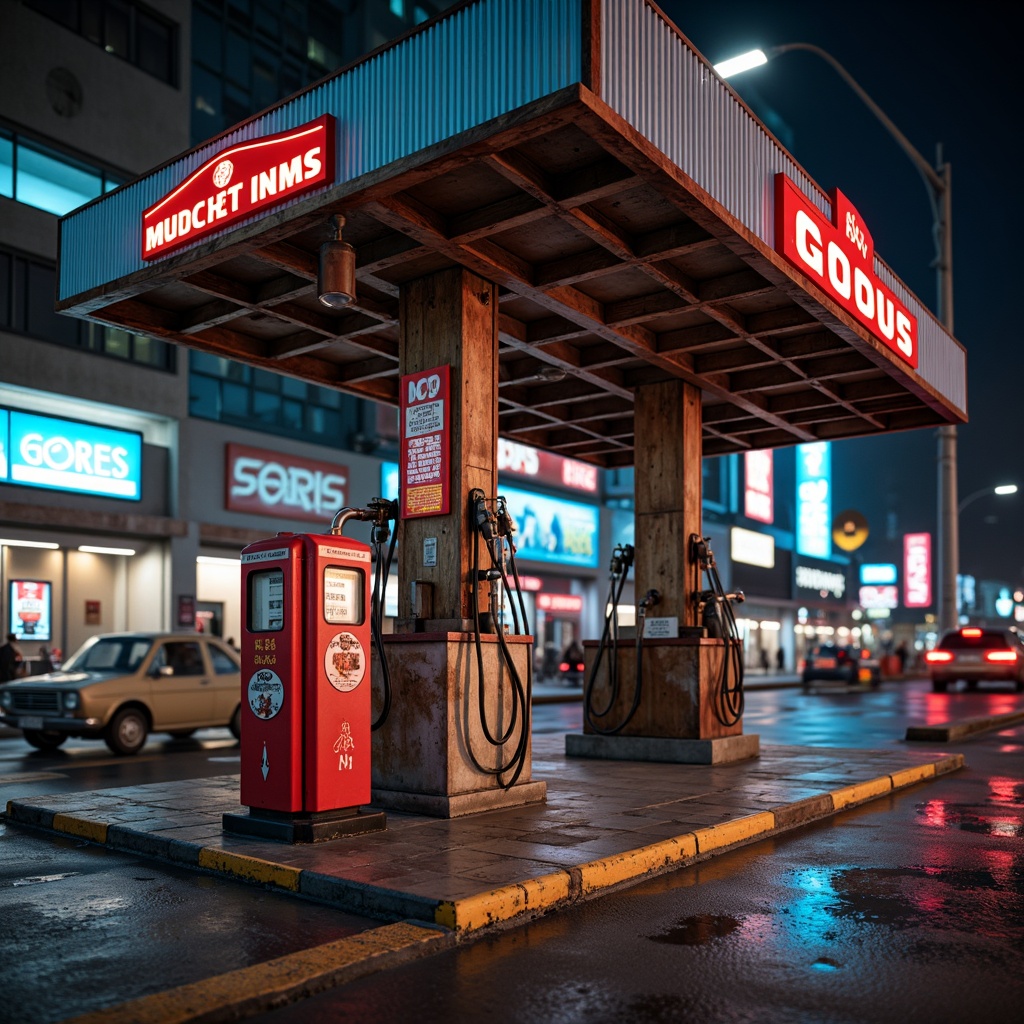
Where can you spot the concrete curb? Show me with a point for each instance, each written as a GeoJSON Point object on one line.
{"type": "Point", "coordinates": [505, 904]}
{"type": "Point", "coordinates": [946, 731]}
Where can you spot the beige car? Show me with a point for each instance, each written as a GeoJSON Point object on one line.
{"type": "Point", "coordinates": [120, 687]}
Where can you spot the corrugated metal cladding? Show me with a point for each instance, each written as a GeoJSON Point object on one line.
{"type": "Point", "coordinates": [672, 97]}
{"type": "Point", "coordinates": [482, 61]}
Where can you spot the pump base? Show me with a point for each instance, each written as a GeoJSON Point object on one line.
{"type": "Point", "coordinates": [720, 750]}
{"type": "Point", "coordinates": [305, 826]}
{"type": "Point", "coordinates": [455, 805]}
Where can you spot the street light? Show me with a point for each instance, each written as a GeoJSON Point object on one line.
{"type": "Point", "coordinates": [938, 183]}
{"type": "Point", "coordinates": [1001, 489]}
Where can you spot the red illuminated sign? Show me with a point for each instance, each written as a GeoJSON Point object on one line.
{"type": "Point", "coordinates": [287, 486]}
{"type": "Point", "coordinates": [238, 182]}
{"type": "Point", "coordinates": [525, 461]}
{"type": "Point", "coordinates": [568, 603]}
{"type": "Point", "coordinates": [839, 257]}
{"type": "Point", "coordinates": [758, 499]}
{"type": "Point", "coordinates": [425, 444]}
{"type": "Point", "coordinates": [917, 570]}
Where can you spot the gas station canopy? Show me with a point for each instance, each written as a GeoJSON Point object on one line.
{"type": "Point", "coordinates": [588, 161]}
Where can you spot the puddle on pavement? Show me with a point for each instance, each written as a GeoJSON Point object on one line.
{"type": "Point", "coordinates": [981, 820]}
{"type": "Point", "coordinates": [698, 930]}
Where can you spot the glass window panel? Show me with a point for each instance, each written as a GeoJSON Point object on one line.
{"type": "Point", "coordinates": [237, 104]}
{"type": "Point", "coordinates": [150, 351]}
{"type": "Point", "coordinates": [5, 290]}
{"type": "Point", "coordinates": [206, 39]}
{"type": "Point", "coordinates": [266, 407]}
{"type": "Point", "coordinates": [266, 380]}
{"type": "Point", "coordinates": [237, 371]}
{"type": "Point", "coordinates": [266, 21]}
{"type": "Point", "coordinates": [154, 47]}
{"type": "Point", "coordinates": [117, 343]}
{"type": "Point", "coordinates": [327, 397]}
{"type": "Point", "coordinates": [42, 320]}
{"type": "Point", "coordinates": [264, 85]}
{"type": "Point", "coordinates": [63, 11]}
{"type": "Point", "coordinates": [236, 400]}
{"type": "Point", "coordinates": [293, 388]}
{"type": "Point", "coordinates": [204, 362]}
{"type": "Point", "coordinates": [117, 28]}
{"type": "Point", "coordinates": [207, 104]}
{"type": "Point", "coordinates": [204, 398]}
{"type": "Point", "coordinates": [50, 183]}
{"type": "Point", "coordinates": [92, 21]}
{"type": "Point", "coordinates": [19, 274]}
{"type": "Point", "coordinates": [324, 423]}
{"type": "Point", "coordinates": [6, 166]}
{"type": "Point", "coordinates": [238, 58]}
{"type": "Point", "coordinates": [291, 415]}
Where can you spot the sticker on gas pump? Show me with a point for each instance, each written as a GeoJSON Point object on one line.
{"type": "Point", "coordinates": [266, 693]}
{"type": "Point", "coordinates": [345, 662]}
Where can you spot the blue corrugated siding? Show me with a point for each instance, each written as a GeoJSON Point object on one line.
{"type": "Point", "coordinates": [483, 61]}
{"type": "Point", "coordinates": [660, 86]}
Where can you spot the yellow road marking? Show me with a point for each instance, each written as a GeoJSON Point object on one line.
{"type": "Point", "coordinates": [252, 868]}
{"type": "Point", "coordinates": [860, 792]}
{"type": "Point", "coordinates": [94, 831]}
{"type": "Point", "coordinates": [735, 831]}
{"type": "Point", "coordinates": [271, 984]}
{"type": "Point", "coordinates": [621, 867]}
{"type": "Point", "coordinates": [503, 904]}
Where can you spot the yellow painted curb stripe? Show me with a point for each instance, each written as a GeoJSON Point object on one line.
{"type": "Point", "coordinates": [908, 776]}
{"type": "Point", "coordinates": [252, 868]}
{"type": "Point", "coordinates": [503, 904]}
{"type": "Point", "coordinates": [729, 832]}
{"type": "Point", "coordinates": [95, 831]}
{"type": "Point", "coordinates": [266, 985]}
{"type": "Point", "coordinates": [860, 792]}
{"type": "Point", "coordinates": [599, 874]}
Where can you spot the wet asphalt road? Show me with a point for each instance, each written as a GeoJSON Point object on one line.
{"type": "Point", "coordinates": [908, 909]}
{"type": "Point", "coordinates": [911, 908]}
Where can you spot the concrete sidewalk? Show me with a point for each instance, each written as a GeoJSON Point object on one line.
{"type": "Point", "coordinates": [604, 823]}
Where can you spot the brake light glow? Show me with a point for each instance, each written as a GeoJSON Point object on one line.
{"type": "Point", "coordinates": [938, 657]}
{"type": "Point", "coordinates": [1001, 656]}
{"type": "Point", "coordinates": [970, 631]}
{"type": "Point", "coordinates": [563, 666]}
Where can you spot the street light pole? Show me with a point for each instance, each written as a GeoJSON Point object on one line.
{"type": "Point", "coordinates": [937, 181]}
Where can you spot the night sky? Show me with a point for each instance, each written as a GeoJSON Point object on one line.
{"type": "Point", "coordinates": [941, 79]}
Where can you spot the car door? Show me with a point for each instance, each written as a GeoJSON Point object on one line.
{"type": "Point", "coordinates": [182, 696]}
{"type": "Point", "coordinates": [225, 683]}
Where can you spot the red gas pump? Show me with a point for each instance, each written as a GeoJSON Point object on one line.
{"type": "Point", "coordinates": [306, 702]}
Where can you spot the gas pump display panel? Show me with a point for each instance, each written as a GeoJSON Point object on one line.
{"type": "Point", "coordinates": [343, 596]}
{"type": "Point", "coordinates": [266, 601]}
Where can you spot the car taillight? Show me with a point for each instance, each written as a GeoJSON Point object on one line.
{"type": "Point", "coordinates": [971, 631]}
{"type": "Point", "coordinates": [563, 666]}
{"type": "Point", "coordinates": [1001, 656]}
{"type": "Point", "coordinates": [938, 657]}
{"type": "Point", "coordinates": [841, 655]}
{"type": "Point", "coordinates": [579, 666]}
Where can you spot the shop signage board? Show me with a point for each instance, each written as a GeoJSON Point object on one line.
{"type": "Point", "coordinates": [917, 570]}
{"type": "Point", "coordinates": [819, 582]}
{"type": "Point", "coordinates": [758, 496]}
{"type": "Point", "coordinates": [251, 177]}
{"type": "Point", "coordinates": [67, 455]}
{"type": "Point", "coordinates": [522, 460]}
{"type": "Point", "coordinates": [425, 443]}
{"type": "Point", "coordinates": [286, 486]}
{"type": "Point", "coordinates": [839, 257]}
{"type": "Point", "coordinates": [552, 529]}
{"type": "Point", "coordinates": [814, 499]}
{"type": "Point", "coordinates": [30, 605]}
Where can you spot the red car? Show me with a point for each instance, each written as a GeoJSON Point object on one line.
{"type": "Point", "coordinates": [977, 655]}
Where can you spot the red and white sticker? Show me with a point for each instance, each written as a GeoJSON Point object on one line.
{"type": "Point", "coordinates": [345, 662]}
{"type": "Point", "coordinates": [266, 693]}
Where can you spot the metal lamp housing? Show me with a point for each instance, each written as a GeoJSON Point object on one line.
{"type": "Point", "coordinates": [336, 277]}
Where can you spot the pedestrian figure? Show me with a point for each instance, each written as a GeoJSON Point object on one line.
{"type": "Point", "coordinates": [780, 660]}
{"type": "Point", "coordinates": [10, 659]}
{"type": "Point", "coordinates": [764, 661]}
{"type": "Point", "coordinates": [902, 654]}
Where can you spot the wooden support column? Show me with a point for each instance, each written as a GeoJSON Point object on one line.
{"type": "Point", "coordinates": [677, 717]}
{"type": "Point", "coordinates": [432, 754]}
{"type": "Point", "coordinates": [667, 494]}
{"type": "Point", "coordinates": [451, 318]}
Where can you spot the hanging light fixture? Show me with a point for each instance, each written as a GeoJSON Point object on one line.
{"type": "Point", "coordinates": [336, 277]}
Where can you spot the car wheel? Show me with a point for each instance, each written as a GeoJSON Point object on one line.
{"type": "Point", "coordinates": [939, 685]}
{"type": "Point", "coordinates": [44, 739]}
{"type": "Point", "coordinates": [235, 725]}
{"type": "Point", "coordinates": [127, 731]}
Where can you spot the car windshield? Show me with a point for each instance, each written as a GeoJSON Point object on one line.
{"type": "Point", "coordinates": [110, 654]}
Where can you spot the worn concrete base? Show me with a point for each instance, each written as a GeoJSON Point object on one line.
{"type": "Point", "coordinates": [459, 804]}
{"type": "Point", "coordinates": [305, 826]}
{"type": "Point", "coordinates": [721, 750]}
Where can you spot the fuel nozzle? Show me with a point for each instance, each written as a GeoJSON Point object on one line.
{"type": "Point", "coordinates": [486, 520]}
{"type": "Point", "coordinates": [622, 559]}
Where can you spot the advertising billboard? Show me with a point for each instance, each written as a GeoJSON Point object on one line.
{"type": "Point", "coordinates": [814, 499]}
{"type": "Point", "coordinates": [30, 604]}
{"type": "Point", "coordinates": [553, 530]}
{"type": "Point", "coordinates": [758, 497]}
